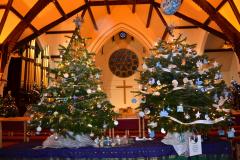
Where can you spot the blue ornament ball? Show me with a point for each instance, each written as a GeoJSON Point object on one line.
{"type": "Point", "coordinates": [170, 7]}
{"type": "Point", "coordinates": [134, 100]}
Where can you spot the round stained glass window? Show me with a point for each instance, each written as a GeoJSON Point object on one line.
{"type": "Point", "coordinates": [123, 63]}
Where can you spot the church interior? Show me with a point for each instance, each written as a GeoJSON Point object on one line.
{"type": "Point", "coordinates": [121, 75]}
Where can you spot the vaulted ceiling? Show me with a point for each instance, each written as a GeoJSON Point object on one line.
{"type": "Point", "coordinates": [23, 20]}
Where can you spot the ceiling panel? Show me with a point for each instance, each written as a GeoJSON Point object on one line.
{"type": "Point", "coordinates": [215, 3]}
{"type": "Point", "coordinates": [190, 9]}
{"type": "Point", "coordinates": [23, 6]}
{"type": "Point", "coordinates": [26, 33]}
{"type": "Point", "coordinates": [215, 26]}
{"type": "Point", "coordinates": [156, 24]}
{"type": "Point", "coordinates": [74, 4]}
{"type": "Point", "coordinates": [237, 3]}
{"type": "Point", "coordinates": [11, 22]}
{"type": "Point", "coordinates": [142, 12]}
{"type": "Point", "coordinates": [175, 21]}
{"type": "Point", "coordinates": [3, 2]}
{"type": "Point", "coordinates": [46, 16]}
{"type": "Point", "coordinates": [227, 12]}
{"type": "Point", "coordinates": [1, 13]}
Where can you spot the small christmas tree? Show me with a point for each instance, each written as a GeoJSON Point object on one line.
{"type": "Point", "coordinates": [8, 107]}
{"type": "Point", "coordinates": [181, 90]}
{"type": "Point", "coordinates": [74, 102]}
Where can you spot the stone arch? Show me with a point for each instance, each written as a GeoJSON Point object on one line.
{"type": "Point", "coordinates": [103, 37]}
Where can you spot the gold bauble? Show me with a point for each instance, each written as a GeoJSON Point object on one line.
{"type": "Point", "coordinates": [51, 100]}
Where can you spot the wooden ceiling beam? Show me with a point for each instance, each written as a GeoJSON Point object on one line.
{"type": "Point", "coordinates": [83, 12]}
{"type": "Point", "coordinates": [60, 32]}
{"type": "Point", "coordinates": [160, 15]}
{"type": "Point", "coordinates": [232, 34]}
{"type": "Point", "coordinates": [2, 6]}
{"type": "Point", "coordinates": [51, 25]}
{"type": "Point", "coordinates": [4, 17]}
{"type": "Point", "coordinates": [185, 27]}
{"type": "Point", "coordinates": [118, 2]}
{"type": "Point", "coordinates": [221, 4]}
{"type": "Point", "coordinates": [205, 27]}
{"type": "Point", "coordinates": [165, 33]}
{"type": "Point", "coordinates": [134, 6]}
{"type": "Point", "coordinates": [235, 10]}
{"type": "Point", "coordinates": [149, 15]}
{"type": "Point", "coordinates": [59, 8]}
{"type": "Point", "coordinates": [91, 15]}
{"type": "Point", "coordinates": [108, 7]}
{"type": "Point", "coordinates": [22, 18]}
{"type": "Point", "coordinates": [12, 38]}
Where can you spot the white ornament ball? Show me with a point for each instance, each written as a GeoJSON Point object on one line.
{"type": "Point", "coordinates": [163, 130]}
{"type": "Point", "coordinates": [104, 126]}
{"type": "Point", "coordinates": [91, 134]}
{"type": "Point", "coordinates": [156, 93]}
{"type": "Point", "coordinates": [153, 124]}
{"type": "Point", "coordinates": [99, 105]}
{"type": "Point", "coordinates": [158, 82]}
{"type": "Point", "coordinates": [115, 122]}
{"type": "Point", "coordinates": [39, 129]}
{"type": "Point", "coordinates": [55, 113]}
{"type": "Point", "coordinates": [89, 91]}
{"type": "Point", "coordinates": [56, 138]}
{"type": "Point", "coordinates": [185, 80]}
{"type": "Point", "coordinates": [174, 83]}
{"type": "Point", "coordinates": [141, 114]}
{"type": "Point", "coordinates": [187, 116]}
{"type": "Point", "coordinates": [65, 75]}
{"type": "Point", "coordinates": [147, 111]}
{"type": "Point", "coordinates": [89, 125]}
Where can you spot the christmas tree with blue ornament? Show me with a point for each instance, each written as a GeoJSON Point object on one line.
{"type": "Point", "coordinates": [74, 104]}
{"type": "Point", "coordinates": [182, 91]}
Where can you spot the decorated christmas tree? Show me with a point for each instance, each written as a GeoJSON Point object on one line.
{"type": "Point", "coordinates": [8, 107]}
{"type": "Point", "coordinates": [182, 90]}
{"type": "Point", "coordinates": [74, 103]}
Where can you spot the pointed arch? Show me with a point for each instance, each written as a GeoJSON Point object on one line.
{"type": "Point", "coordinates": [102, 38]}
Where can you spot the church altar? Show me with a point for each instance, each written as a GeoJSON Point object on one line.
{"type": "Point", "coordinates": [212, 150]}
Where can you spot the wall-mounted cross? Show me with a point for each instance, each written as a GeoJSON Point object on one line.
{"type": "Point", "coordinates": [124, 90]}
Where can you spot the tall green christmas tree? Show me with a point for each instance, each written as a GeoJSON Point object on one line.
{"type": "Point", "coordinates": [181, 90]}
{"type": "Point", "coordinates": [74, 101]}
